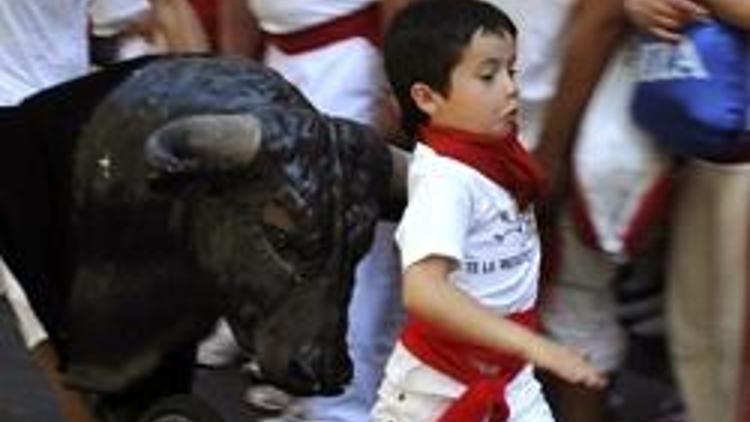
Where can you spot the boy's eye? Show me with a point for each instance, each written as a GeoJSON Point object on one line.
{"type": "Point", "coordinates": [487, 77]}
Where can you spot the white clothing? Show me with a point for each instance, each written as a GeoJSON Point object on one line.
{"type": "Point", "coordinates": [415, 392]}
{"type": "Point", "coordinates": [44, 42]}
{"type": "Point", "coordinates": [283, 17]}
{"type": "Point", "coordinates": [355, 87]}
{"type": "Point", "coordinates": [456, 212]}
{"type": "Point", "coordinates": [581, 309]}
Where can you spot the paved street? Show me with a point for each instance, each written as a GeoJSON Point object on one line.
{"type": "Point", "coordinates": [641, 394]}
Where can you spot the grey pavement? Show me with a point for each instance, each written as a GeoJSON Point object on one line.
{"type": "Point", "coordinates": [642, 394]}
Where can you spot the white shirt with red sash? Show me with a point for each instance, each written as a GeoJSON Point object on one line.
{"type": "Point", "coordinates": [456, 212]}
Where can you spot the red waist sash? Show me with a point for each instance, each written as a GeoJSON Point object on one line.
{"type": "Point", "coordinates": [485, 373]}
{"type": "Point", "coordinates": [364, 23]}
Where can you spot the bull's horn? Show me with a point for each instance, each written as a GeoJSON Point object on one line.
{"type": "Point", "coordinates": [400, 167]}
{"type": "Point", "coordinates": [204, 142]}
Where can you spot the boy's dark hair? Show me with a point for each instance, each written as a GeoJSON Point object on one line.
{"type": "Point", "coordinates": [425, 42]}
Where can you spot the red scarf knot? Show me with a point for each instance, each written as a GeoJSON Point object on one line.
{"type": "Point", "coordinates": [502, 159]}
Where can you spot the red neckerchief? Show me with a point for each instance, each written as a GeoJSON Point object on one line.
{"type": "Point", "coordinates": [485, 393]}
{"type": "Point", "coordinates": [502, 159]}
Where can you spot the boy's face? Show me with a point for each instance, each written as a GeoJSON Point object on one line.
{"type": "Point", "coordinates": [483, 95]}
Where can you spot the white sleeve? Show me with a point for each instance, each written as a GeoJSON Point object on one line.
{"type": "Point", "coordinates": [435, 222]}
{"type": "Point", "coordinates": [108, 17]}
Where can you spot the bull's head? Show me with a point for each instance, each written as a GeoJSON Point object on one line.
{"type": "Point", "coordinates": [304, 205]}
{"type": "Point", "coordinates": [201, 171]}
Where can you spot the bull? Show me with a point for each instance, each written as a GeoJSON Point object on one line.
{"type": "Point", "coordinates": [184, 188]}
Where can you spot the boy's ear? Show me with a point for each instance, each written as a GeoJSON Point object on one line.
{"type": "Point", "coordinates": [426, 98]}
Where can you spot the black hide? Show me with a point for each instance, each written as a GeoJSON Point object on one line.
{"type": "Point", "coordinates": [163, 242]}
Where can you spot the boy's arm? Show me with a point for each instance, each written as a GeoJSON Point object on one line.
{"type": "Point", "coordinates": [429, 295]}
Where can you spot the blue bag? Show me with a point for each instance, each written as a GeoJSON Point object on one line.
{"type": "Point", "coordinates": [693, 96]}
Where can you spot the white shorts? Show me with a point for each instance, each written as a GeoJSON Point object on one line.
{"type": "Point", "coordinates": [415, 392]}
{"type": "Point", "coordinates": [580, 309]}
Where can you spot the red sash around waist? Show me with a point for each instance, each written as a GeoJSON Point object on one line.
{"type": "Point", "coordinates": [364, 23]}
{"type": "Point", "coordinates": [485, 373]}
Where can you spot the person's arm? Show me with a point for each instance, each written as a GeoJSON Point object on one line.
{"type": "Point", "coordinates": [429, 295]}
{"type": "Point", "coordinates": [178, 26]}
{"type": "Point", "coordinates": [596, 29]}
{"type": "Point", "coordinates": [664, 19]}
{"type": "Point", "coordinates": [736, 12]}
{"type": "Point", "coordinates": [238, 29]}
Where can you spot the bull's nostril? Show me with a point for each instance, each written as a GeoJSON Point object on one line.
{"type": "Point", "coordinates": [303, 366]}
{"type": "Point", "coordinates": [304, 372]}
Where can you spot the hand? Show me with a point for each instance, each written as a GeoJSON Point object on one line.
{"type": "Point", "coordinates": [567, 363]}
{"type": "Point", "coordinates": [664, 18]}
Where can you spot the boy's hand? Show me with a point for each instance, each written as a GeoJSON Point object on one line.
{"type": "Point", "coordinates": [567, 363]}
{"type": "Point", "coordinates": [664, 18]}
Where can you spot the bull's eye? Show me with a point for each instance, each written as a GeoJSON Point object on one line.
{"type": "Point", "coordinates": [279, 238]}
{"type": "Point", "coordinates": [276, 214]}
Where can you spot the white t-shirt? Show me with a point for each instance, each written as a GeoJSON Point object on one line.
{"type": "Point", "coordinates": [456, 212]}
{"type": "Point", "coordinates": [281, 17]}
{"type": "Point", "coordinates": [44, 42]}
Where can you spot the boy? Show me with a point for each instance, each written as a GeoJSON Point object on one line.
{"type": "Point", "coordinates": [469, 247]}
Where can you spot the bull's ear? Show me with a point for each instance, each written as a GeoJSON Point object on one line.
{"type": "Point", "coordinates": [204, 143]}
{"type": "Point", "coordinates": [393, 203]}
{"type": "Point", "coordinates": [399, 172]}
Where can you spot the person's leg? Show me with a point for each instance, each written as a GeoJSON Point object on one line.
{"type": "Point", "coordinates": [706, 287]}
{"type": "Point", "coordinates": [25, 393]}
{"type": "Point", "coordinates": [689, 303]}
{"type": "Point", "coordinates": [580, 311]}
{"type": "Point", "coordinates": [72, 403]}
{"type": "Point", "coordinates": [743, 411]}
{"type": "Point", "coordinates": [732, 214]}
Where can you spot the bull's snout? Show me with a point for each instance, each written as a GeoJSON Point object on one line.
{"type": "Point", "coordinates": [320, 370]}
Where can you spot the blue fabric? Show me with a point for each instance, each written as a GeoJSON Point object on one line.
{"type": "Point", "coordinates": [693, 96]}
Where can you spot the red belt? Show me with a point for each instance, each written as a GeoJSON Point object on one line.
{"type": "Point", "coordinates": [364, 23]}
{"type": "Point", "coordinates": [485, 393]}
